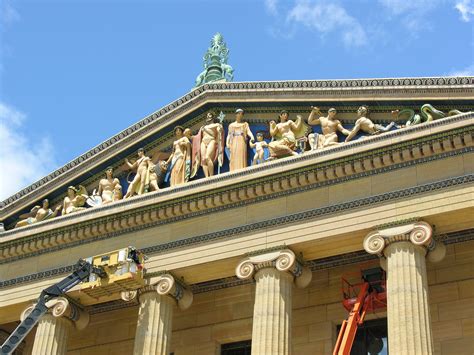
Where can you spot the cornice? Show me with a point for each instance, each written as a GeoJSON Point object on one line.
{"type": "Point", "coordinates": [25, 242]}
{"type": "Point", "coordinates": [358, 88]}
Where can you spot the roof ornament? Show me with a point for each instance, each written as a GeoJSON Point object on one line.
{"type": "Point", "coordinates": [215, 63]}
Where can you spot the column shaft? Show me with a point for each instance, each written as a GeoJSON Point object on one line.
{"type": "Point", "coordinates": [409, 323]}
{"type": "Point", "coordinates": [271, 333]}
{"type": "Point", "coordinates": [51, 335]}
{"type": "Point", "coordinates": [153, 336]}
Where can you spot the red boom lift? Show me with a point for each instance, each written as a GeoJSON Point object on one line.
{"type": "Point", "coordinates": [360, 298]}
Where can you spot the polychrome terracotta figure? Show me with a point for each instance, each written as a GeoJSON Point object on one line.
{"type": "Point", "coordinates": [107, 186]}
{"type": "Point", "coordinates": [237, 137]}
{"type": "Point", "coordinates": [259, 147]}
{"type": "Point", "coordinates": [285, 135]}
{"type": "Point", "coordinates": [366, 125]}
{"type": "Point", "coordinates": [75, 199]}
{"type": "Point", "coordinates": [38, 214]}
{"type": "Point", "coordinates": [329, 127]}
{"type": "Point", "coordinates": [208, 146]}
{"type": "Point", "coordinates": [179, 161]}
{"type": "Point", "coordinates": [143, 180]}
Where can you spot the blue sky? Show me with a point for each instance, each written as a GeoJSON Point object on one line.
{"type": "Point", "coordinates": [73, 73]}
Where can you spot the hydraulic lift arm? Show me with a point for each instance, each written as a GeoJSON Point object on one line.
{"type": "Point", "coordinates": [81, 273]}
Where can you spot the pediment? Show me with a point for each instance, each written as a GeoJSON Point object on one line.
{"type": "Point", "coordinates": [262, 101]}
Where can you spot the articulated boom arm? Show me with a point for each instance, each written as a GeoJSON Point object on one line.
{"type": "Point", "coordinates": [82, 273]}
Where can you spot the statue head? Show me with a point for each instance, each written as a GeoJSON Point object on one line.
{"type": "Point", "coordinates": [210, 117]}
{"type": "Point", "coordinates": [141, 152]}
{"type": "Point", "coordinates": [45, 204]}
{"type": "Point", "coordinates": [362, 111]}
{"type": "Point", "coordinates": [71, 192]}
{"type": "Point", "coordinates": [283, 115]}
{"type": "Point", "coordinates": [108, 171]}
{"type": "Point", "coordinates": [188, 134]}
{"type": "Point", "coordinates": [332, 113]}
{"type": "Point", "coordinates": [239, 114]}
{"type": "Point", "coordinates": [178, 131]}
{"type": "Point", "coordinates": [260, 137]}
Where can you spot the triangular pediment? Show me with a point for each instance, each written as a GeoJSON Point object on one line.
{"type": "Point", "coordinates": [262, 101]}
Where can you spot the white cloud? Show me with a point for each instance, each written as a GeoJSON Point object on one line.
{"type": "Point", "coordinates": [466, 8]}
{"type": "Point", "coordinates": [411, 13]}
{"type": "Point", "coordinates": [272, 7]}
{"type": "Point", "coordinates": [400, 7]}
{"type": "Point", "coordinates": [324, 17]}
{"type": "Point", "coordinates": [469, 71]}
{"type": "Point", "coordinates": [8, 14]}
{"type": "Point", "coordinates": [23, 160]}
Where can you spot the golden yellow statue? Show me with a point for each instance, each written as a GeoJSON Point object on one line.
{"type": "Point", "coordinates": [109, 187]}
{"type": "Point", "coordinates": [329, 127]}
{"type": "Point", "coordinates": [259, 147]}
{"type": "Point", "coordinates": [366, 125]}
{"type": "Point", "coordinates": [179, 161]}
{"type": "Point", "coordinates": [38, 214]}
{"type": "Point", "coordinates": [208, 146]}
{"type": "Point", "coordinates": [75, 199]}
{"type": "Point", "coordinates": [285, 134]}
{"type": "Point", "coordinates": [145, 179]}
{"type": "Point", "coordinates": [237, 137]}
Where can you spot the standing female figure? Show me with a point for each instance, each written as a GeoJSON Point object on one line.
{"type": "Point", "coordinates": [237, 138]}
{"type": "Point", "coordinates": [180, 158]}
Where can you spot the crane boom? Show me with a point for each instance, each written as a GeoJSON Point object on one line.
{"type": "Point", "coordinates": [82, 271]}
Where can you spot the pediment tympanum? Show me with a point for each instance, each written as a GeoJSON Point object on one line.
{"type": "Point", "coordinates": [335, 127]}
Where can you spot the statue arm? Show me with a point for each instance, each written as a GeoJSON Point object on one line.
{"type": "Point", "coordinates": [296, 126]}
{"type": "Point", "coordinates": [249, 132]}
{"type": "Point", "coordinates": [273, 129]}
{"type": "Point", "coordinates": [313, 118]}
{"type": "Point", "coordinates": [99, 190]}
{"type": "Point", "coordinates": [342, 129]}
{"type": "Point", "coordinates": [353, 132]}
{"type": "Point", "coordinates": [130, 165]}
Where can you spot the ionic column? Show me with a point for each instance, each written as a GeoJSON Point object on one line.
{"type": "Point", "coordinates": [53, 328]}
{"type": "Point", "coordinates": [155, 315]}
{"type": "Point", "coordinates": [274, 273]}
{"type": "Point", "coordinates": [403, 252]}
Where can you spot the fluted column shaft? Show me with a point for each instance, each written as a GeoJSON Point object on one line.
{"type": "Point", "coordinates": [153, 336]}
{"type": "Point", "coordinates": [51, 335]}
{"type": "Point", "coordinates": [274, 272]}
{"type": "Point", "coordinates": [409, 323]}
{"type": "Point", "coordinates": [155, 315]}
{"type": "Point", "coordinates": [271, 333]}
{"type": "Point", "coordinates": [403, 251]}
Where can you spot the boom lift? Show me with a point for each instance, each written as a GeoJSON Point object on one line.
{"type": "Point", "coordinates": [119, 270]}
{"type": "Point", "coordinates": [360, 298]}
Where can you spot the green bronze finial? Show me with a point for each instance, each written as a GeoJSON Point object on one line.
{"type": "Point", "coordinates": [215, 63]}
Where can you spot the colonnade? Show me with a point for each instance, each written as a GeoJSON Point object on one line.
{"type": "Point", "coordinates": [402, 251]}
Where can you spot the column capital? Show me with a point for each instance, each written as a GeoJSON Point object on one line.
{"type": "Point", "coordinates": [419, 233]}
{"type": "Point", "coordinates": [168, 285]}
{"type": "Point", "coordinates": [283, 260]}
{"type": "Point", "coordinates": [61, 307]}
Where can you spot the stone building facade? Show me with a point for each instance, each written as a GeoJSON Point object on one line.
{"type": "Point", "coordinates": [256, 256]}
